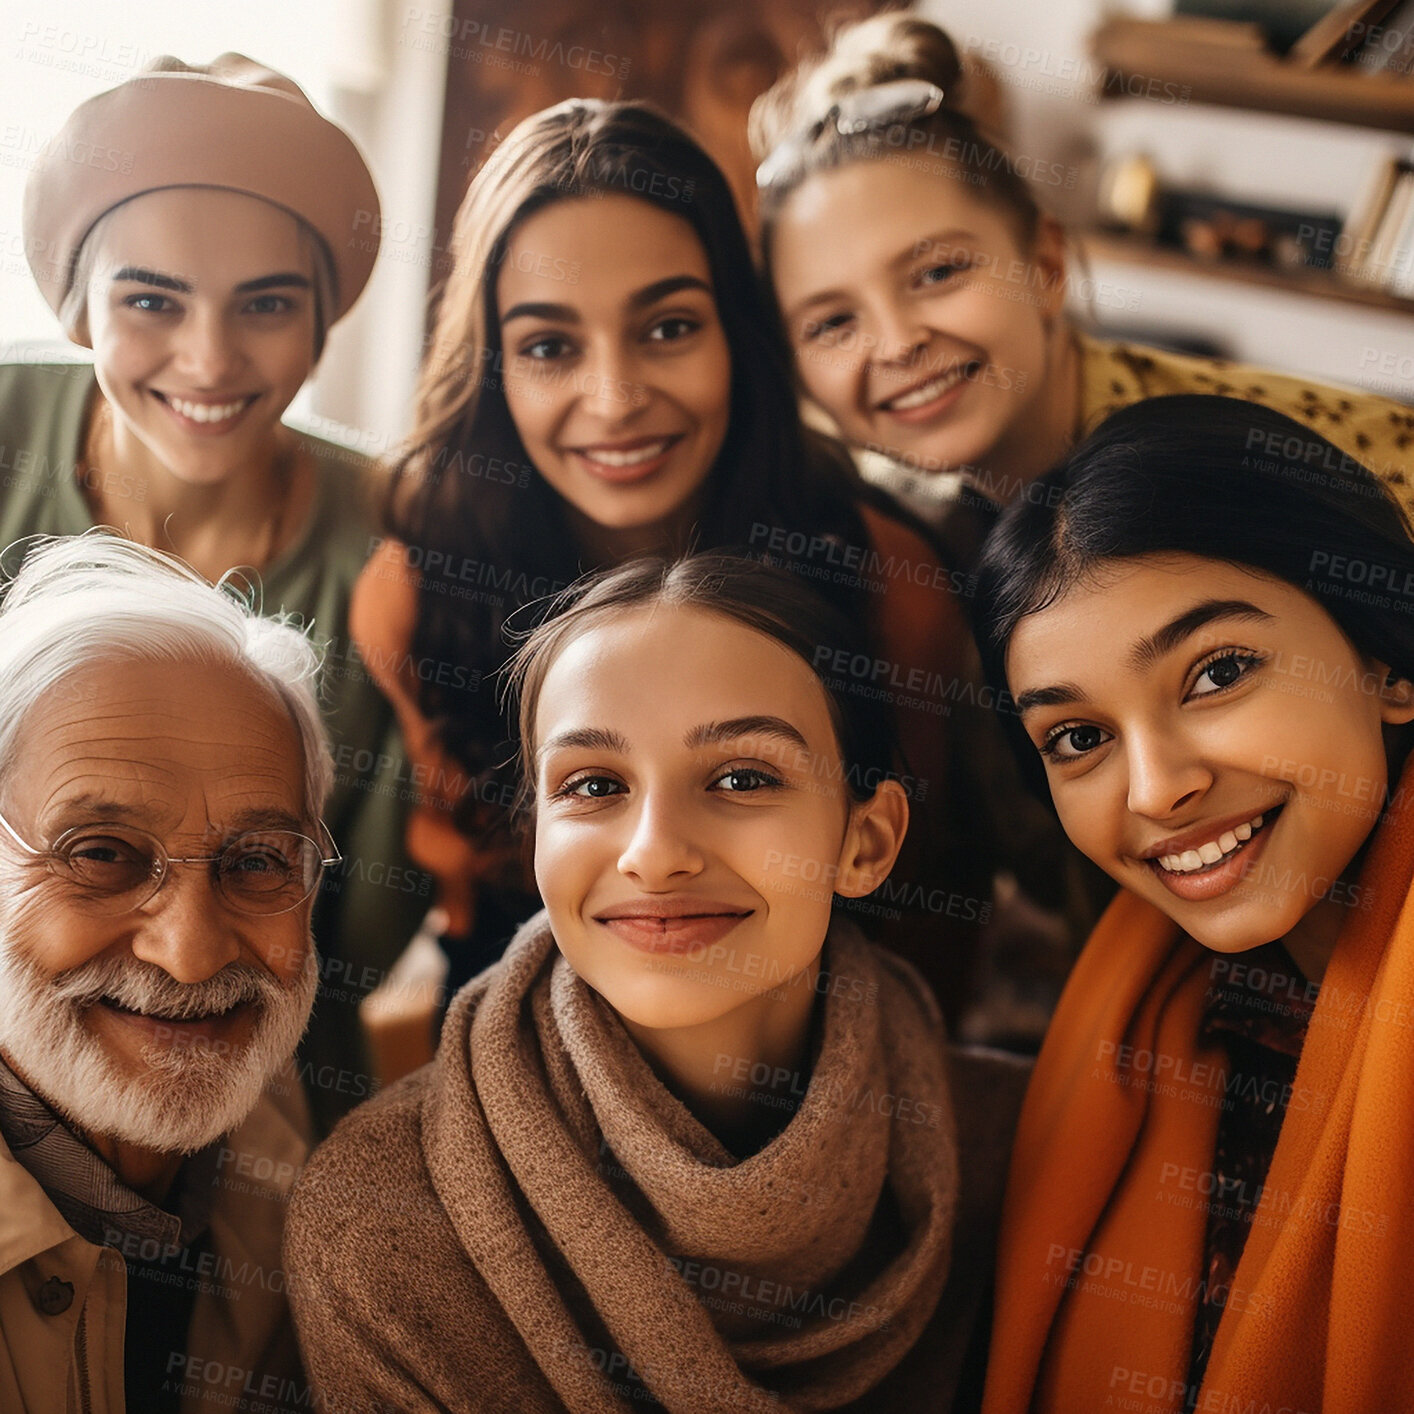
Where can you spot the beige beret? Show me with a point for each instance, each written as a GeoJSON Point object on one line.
{"type": "Point", "coordinates": [232, 124]}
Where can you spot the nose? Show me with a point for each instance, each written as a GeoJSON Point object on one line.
{"type": "Point", "coordinates": [185, 929]}
{"type": "Point", "coordinates": [899, 332]}
{"type": "Point", "coordinates": [660, 852]}
{"type": "Point", "coordinates": [609, 385]}
{"type": "Point", "coordinates": [207, 350]}
{"type": "Point", "coordinates": [1166, 773]}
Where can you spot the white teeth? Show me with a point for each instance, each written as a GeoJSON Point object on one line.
{"type": "Point", "coordinates": [206, 412]}
{"type": "Point", "coordinates": [607, 457]}
{"type": "Point", "coordinates": [1210, 853]}
{"type": "Point", "coordinates": [926, 393]}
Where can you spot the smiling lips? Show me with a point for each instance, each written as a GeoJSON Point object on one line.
{"type": "Point", "coordinates": [672, 925]}
{"type": "Point", "coordinates": [924, 400]}
{"type": "Point", "coordinates": [627, 461]}
{"type": "Point", "coordinates": [158, 1026]}
{"type": "Point", "coordinates": [1211, 852]}
{"type": "Point", "coordinates": [205, 415]}
{"type": "Point", "coordinates": [1207, 861]}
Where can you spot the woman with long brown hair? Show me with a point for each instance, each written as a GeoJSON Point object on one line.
{"type": "Point", "coordinates": [576, 409]}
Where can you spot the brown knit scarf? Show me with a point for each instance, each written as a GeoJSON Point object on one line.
{"type": "Point", "coordinates": [627, 1245]}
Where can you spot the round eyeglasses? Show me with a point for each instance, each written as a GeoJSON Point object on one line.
{"type": "Point", "coordinates": [881, 105]}
{"type": "Point", "coordinates": [117, 868]}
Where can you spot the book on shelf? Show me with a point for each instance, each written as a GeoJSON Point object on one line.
{"type": "Point", "coordinates": [1339, 33]}
{"type": "Point", "coordinates": [1400, 272]}
{"type": "Point", "coordinates": [1380, 262]}
{"type": "Point", "coordinates": [1358, 233]}
{"type": "Point", "coordinates": [1388, 47]}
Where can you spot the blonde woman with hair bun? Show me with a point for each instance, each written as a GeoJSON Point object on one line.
{"type": "Point", "coordinates": [922, 287]}
{"type": "Point", "coordinates": [922, 282]}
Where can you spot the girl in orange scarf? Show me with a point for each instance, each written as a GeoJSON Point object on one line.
{"type": "Point", "coordinates": [1204, 623]}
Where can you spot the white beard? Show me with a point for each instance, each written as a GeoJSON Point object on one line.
{"type": "Point", "coordinates": [190, 1094]}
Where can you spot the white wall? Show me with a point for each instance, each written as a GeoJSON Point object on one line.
{"type": "Point", "coordinates": [1041, 53]}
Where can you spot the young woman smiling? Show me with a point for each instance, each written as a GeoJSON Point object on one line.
{"type": "Point", "coordinates": [204, 272]}
{"type": "Point", "coordinates": [576, 409]}
{"type": "Point", "coordinates": [1208, 1197]}
{"type": "Point", "coordinates": [690, 1142]}
{"type": "Point", "coordinates": [922, 284]}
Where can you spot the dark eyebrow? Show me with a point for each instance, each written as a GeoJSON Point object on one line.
{"type": "Point", "coordinates": [1057, 696]}
{"type": "Point", "coordinates": [138, 276]}
{"type": "Point", "coordinates": [1149, 650]}
{"type": "Point", "coordinates": [639, 299]}
{"type": "Point", "coordinates": [554, 313]}
{"type": "Point", "coordinates": [592, 738]}
{"type": "Point", "coordinates": [661, 289]}
{"type": "Point", "coordinates": [716, 733]}
{"type": "Point", "coordinates": [284, 280]}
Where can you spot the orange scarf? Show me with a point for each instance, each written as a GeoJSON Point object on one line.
{"type": "Point", "coordinates": [1101, 1252]}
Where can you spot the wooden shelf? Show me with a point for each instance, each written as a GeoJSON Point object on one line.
{"type": "Point", "coordinates": [1322, 284]}
{"type": "Point", "coordinates": [1159, 59]}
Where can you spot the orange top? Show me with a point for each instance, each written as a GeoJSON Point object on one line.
{"type": "Point", "coordinates": [920, 635]}
{"type": "Point", "coordinates": [1100, 1262]}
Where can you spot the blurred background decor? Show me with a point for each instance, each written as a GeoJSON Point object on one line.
{"type": "Point", "coordinates": [1257, 116]}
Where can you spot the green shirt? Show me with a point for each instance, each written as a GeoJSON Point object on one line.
{"type": "Point", "coordinates": [372, 904]}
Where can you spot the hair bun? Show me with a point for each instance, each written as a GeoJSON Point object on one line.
{"type": "Point", "coordinates": [881, 49]}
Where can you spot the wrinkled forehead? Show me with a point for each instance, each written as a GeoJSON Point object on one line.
{"type": "Point", "coordinates": [172, 746]}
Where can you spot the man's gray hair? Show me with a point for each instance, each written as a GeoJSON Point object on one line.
{"type": "Point", "coordinates": [81, 599]}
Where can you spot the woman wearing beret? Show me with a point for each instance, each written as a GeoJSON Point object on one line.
{"type": "Point", "coordinates": [204, 273]}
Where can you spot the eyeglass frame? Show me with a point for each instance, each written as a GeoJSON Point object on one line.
{"type": "Point", "coordinates": [165, 860]}
{"type": "Point", "coordinates": [850, 116]}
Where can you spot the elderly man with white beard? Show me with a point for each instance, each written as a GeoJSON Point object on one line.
{"type": "Point", "coordinates": [162, 771]}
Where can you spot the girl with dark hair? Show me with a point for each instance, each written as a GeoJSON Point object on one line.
{"type": "Point", "coordinates": [922, 286]}
{"type": "Point", "coordinates": [922, 283]}
{"type": "Point", "coordinates": [691, 1143]}
{"type": "Point", "coordinates": [1204, 622]}
{"type": "Point", "coordinates": [576, 409]}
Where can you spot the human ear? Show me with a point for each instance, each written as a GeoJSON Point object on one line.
{"type": "Point", "coordinates": [1048, 258]}
{"type": "Point", "coordinates": [73, 315]}
{"type": "Point", "coordinates": [1396, 696]}
{"type": "Point", "coordinates": [872, 840]}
